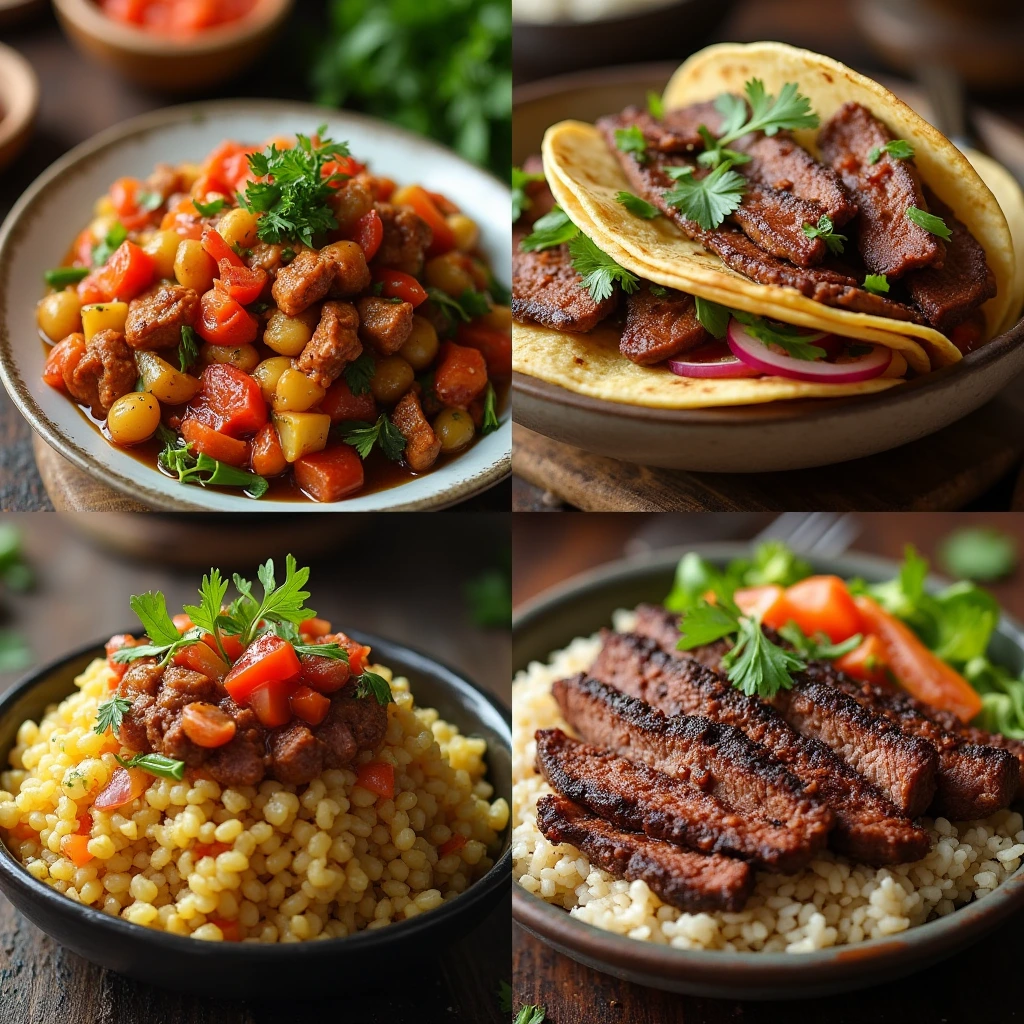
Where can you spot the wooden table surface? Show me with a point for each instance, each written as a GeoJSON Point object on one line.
{"type": "Point", "coordinates": [412, 591]}
{"type": "Point", "coordinates": [78, 99]}
{"type": "Point", "coordinates": [549, 549]}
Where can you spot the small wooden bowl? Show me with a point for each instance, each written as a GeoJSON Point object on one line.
{"type": "Point", "coordinates": [168, 64]}
{"type": "Point", "coordinates": [19, 100]}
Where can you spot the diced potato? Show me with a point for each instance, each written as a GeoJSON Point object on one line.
{"type": "Point", "coordinates": [238, 227]}
{"type": "Point", "coordinates": [244, 357]}
{"type": "Point", "coordinates": [295, 392]}
{"type": "Point", "coordinates": [194, 267]}
{"type": "Point", "coordinates": [133, 418]}
{"type": "Point", "coordinates": [268, 373]}
{"type": "Point", "coordinates": [500, 318]}
{"type": "Point", "coordinates": [288, 335]}
{"type": "Point", "coordinates": [104, 316]}
{"type": "Point", "coordinates": [164, 381]}
{"type": "Point", "coordinates": [59, 314]}
{"type": "Point", "coordinates": [421, 345]}
{"type": "Point", "coordinates": [466, 233]}
{"type": "Point", "coordinates": [302, 432]}
{"type": "Point", "coordinates": [104, 207]}
{"type": "Point", "coordinates": [448, 273]}
{"type": "Point", "coordinates": [162, 248]}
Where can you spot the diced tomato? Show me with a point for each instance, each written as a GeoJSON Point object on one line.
{"type": "Point", "coordinates": [494, 345]}
{"type": "Point", "coordinates": [226, 169]}
{"type": "Point", "coordinates": [127, 273]}
{"type": "Point", "coordinates": [206, 725]}
{"type": "Point", "coordinates": [125, 785]}
{"type": "Point", "coordinates": [231, 930]}
{"type": "Point", "coordinates": [124, 195]}
{"type": "Point", "coordinates": [369, 233]}
{"type": "Point", "coordinates": [223, 321]}
{"type": "Point", "coordinates": [23, 830]}
{"type": "Point", "coordinates": [201, 658]}
{"type": "Point", "coordinates": [89, 290]}
{"type": "Point", "coordinates": [358, 654]}
{"type": "Point", "coordinates": [340, 404]}
{"type": "Point", "coordinates": [114, 644]}
{"type": "Point", "coordinates": [64, 355]}
{"type": "Point", "coordinates": [270, 702]}
{"type": "Point", "coordinates": [267, 659]}
{"type": "Point", "coordinates": [214, 244]}
{"type": "Point", "coordinates": [822, 604]}
{"type": "Point", "coordinates": [460, 376]}
{"type": "Point", "coordinates": [184, 219]}
{"type": "Point", "coordinates": [229, 400]}
{"type": "Point", "coordinates": [331, 474]}
{"type": "Point", "coordinates": [182, 622]}
{"type": "Point", "coordinates": [397, 285]}
{"type": "Point", "coordinates": [76, 849]}
{"type": "Point", "coordinates": [202, 438]}
{"type": "Point", "coordinates": [452, 845]}
{"type": "Point", "coordinates": [378, 777]}
{"type": "Point", "coordinates": [82, 248]}
{"type": "Point", "coordinates": [232, 644]}
{"type": "Point", "coordinates": [267, 454]}
{"type": "Point", "coordinates": [866, 661]}
{"type": "Point", "coordinates": [315, 627]}
{"type": "Point", "coordinates": [342, 165]}
{"type": "Point", "coordinates": [243, 284]}
{"type": "Point", "coordinates": [310, 706]}
{"type": "Point", "coordinates": [325, 675]}
{"type": "Point", "coordinates": [201, 850]}
{"type": "Point", "coordinates": [419, 199]}
{"type": "Point", "coordinates": [768, 602]}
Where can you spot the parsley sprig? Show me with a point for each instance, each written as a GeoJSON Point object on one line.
{"type": "Point", "coordinates": [825, 230]}
{"type": "Point", "coordinates": [877, 284]}
{"type": "Point", "coordinates": [369, 684]}
{"type": "Point", "coordinates": [713, 317]}
{"type": "Point", "coordinates": [104, 249]}
{"type": "Point", "coordinates": [817, 647]}
{"type": "Point", "coordinates": [110, 714]}
{"type": "Point", "coordinates": [247, 615]}
{"type": "Point", "coordinates": [932, 224]}
{"type": "Point", "coordinates": [204, 471]}
{"type": "Point", "coordinates": [165, 640]}
{"type": "Point", "coordinates": [599, 271]}
{"type": "Point", "coordinates": [631, 140]}
{"type": "Point", "coordinates": [188, 348]}
{"type": "Point", "coordinates": [521, 200]}
{"type": "Point", "coordinates": [214, 206]}
{"type": "Point", "coordinates": [490, 422]}
{"type": "Point", "coordinates": [708, 200]}
{"type": "Point", "coordinates": [363, 436]}
{"type": "Point", "coordinates": [898, 149]}
{"type": "Point", "coordinates": [359, 373]}
{"type": "Point", "coordinates": [554, 228]}
{"type": "Point", "coordinates": [636, 205]}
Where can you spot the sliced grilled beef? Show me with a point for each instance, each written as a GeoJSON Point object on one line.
{"type": "Point", "coordinates": [889, 243]}
{"type": "Point", "coordinates": [684, 879]}
{"type": "Point", "coordinates": [636, 797]}
{"type": "Point", "coordinates": [867, 826]}
{"type": "Point", "coordinates": [660, 323]}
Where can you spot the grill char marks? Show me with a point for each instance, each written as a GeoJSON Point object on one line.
{"type": "Point", "coordinates": [903, 767]}
{"type": "Point", "coordinates": [867, 826]}
{"type": "Point", "coordinates": [690, 881]}
{"type": "Point", "coordinates": [633, 796]}
{"type": "Point", "coordinates": [660, 326]}
{"type": "Point", "coordinates": [970, 733]}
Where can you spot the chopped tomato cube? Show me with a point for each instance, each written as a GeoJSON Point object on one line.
{"type": "Point", "coordinates": [202, 438]}
{"type": "Point", "coordinates": [232, 645]}
{"type": "Point", "coordinates": [125, 785]}
{"type": "Point", "coordinates": [340, 404]}
{"type": "Point", "coordinates": [206, 725]}
{"type": "Point", "coordinates": [460, 376]}
{"type": "Point", "coordinates": [315, 627]}
{"type": "Point", "coordinates": [267, 659]}
{"type": "Point", "coordinates": [114, 644]}
{"type": "Point", "coordinates": [310, 706]}
{"type": "Point", "coordinates": [84, 824]}
{"type": "Point", "coordinates": [182, 622]}
{"type": "Point", "coordinates": [378, 777]}
{"type": "Point", "coordinates": [452, 845]}
{"type": "Point", "coordinates": [76, 849]}
{"type": "Point", "coordinates": [224, 321]}
{"type": "Point", "coordinates": [127, 273]}
{"type": "Point", "coordinates": [369, 233]}
{"type": "Point", "coordinates": [229, 400]}
{"type": "Point", "coordinates": [331, 474]}
{"type": "Point", "coordinates": [270, 702]}
{"type": "Point", "coordinates": [243, 284]}
{"type": "Point", "coordinates": [397, 285]}
{"type": "Point", "coordinates": [124, 195]}
{"type": "Point", "coordinates": [866, 661]}
{"type": "Point", "coordinates": [325, 675]}
{"type": "Point", "coordinates": [419, 199]}
{"type": "Point", "coordinates": [214, 244]}
{"type": "Point", "coordinates": [201, 658]}
{"type": "Point", "coordinates": [64, 355]}
{"type": "Point", "coordinates": [23, 830]}
{"type": "Point", "coordinates": [769, 602]}
{"type": "Point", "coordinates": [201, 850]}
{"type": "Point", "coordinates": [822, 604]}
{"type": "Point", "coordinates": [231, 930]}
{"type": "Point", "coordinates": [494, 345]}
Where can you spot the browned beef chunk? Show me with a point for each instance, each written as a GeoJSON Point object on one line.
{"type": "Point", "coordinates": [684, 879]}
{"type": "Point", "coordinates": [164, 182]}
{"type": "Point", "coordinates": [948, 296]}
{"type": "Point", "coordinates": [335, 343]}
{"type": "Point", "coordinates": [406, 239]}
{"type": "Point", "coordinates": [180, 687]}
{"type": "Point", "coordinates": [307, 279]}
{"type": "Point", "coordinates": [156, 317]}
{"type": "Point", "coordinates": [240, 761]}
{"type": "Point", "coordinates": [422, 446]}
{"type": "Point", "coordinates": [351, 274]}
{"type": "Point", "coordinates": [105, 373]}
{"type": "Point", "coordinates": [267, 256]}
{"type": "Point", "coordinates": [140, 684]}
{"type": "Point", "coordinates": [660, 324]}
{"type": "Point", "coordinates": [362, 718]}
{"type": "Point", "coordinates": [633, 796]}
{"type": "Point", "coordinates": [384, 324]}
{"type": "Point", "coordinates": [295, 757]}
{"type": "Point", "coordinates": [889, 243]}
{"type": "Point", "coordinates": [971, 733]}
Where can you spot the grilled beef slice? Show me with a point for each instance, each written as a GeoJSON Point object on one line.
{"type": "Point", "coordinates": [682, 878]}
{"type": "Point", "coordinates": [889, 243]}
{"type": "Point", "coordinates": [714, 757]}
{"type": "Point", "coordinates": [971, 733]}
{"type": "Point", "coordinates": [902, 766]}
{"type": "Point", "coordinates": [638, 798]}
{"type": "Point", "coordinates": [867, 826]}
{"type": "Point", "coordinates": [660, 326]}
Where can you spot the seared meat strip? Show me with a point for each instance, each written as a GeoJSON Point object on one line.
{"type": "Point", "coordinates": [717, 758]}
{"type": "Point", "coordinates": [659, 326]}
{"type": "Point", "coordinates": [889, 243]}
{"type": "Point", "coordinates": [867, 826]}
{"type": "Point", "coordinates": [973, 781]}
{"type": "Point", "coordinates": [903, 767]}
{"type": "Point", "coordinates": [949, 295]}
{"type": "Point", "coordinates": [973, 734]}
{"type": "Point", "coordinates": [690, 881]}
{"type": "Point", "coordinates": [636, 797]}
{"type": "Point", "coordinates": [422, 446]}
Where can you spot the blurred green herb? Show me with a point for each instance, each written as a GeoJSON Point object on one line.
{"type": "Point", "coordinates": [14, 571]}
{"type": "Point", "coordinates": [489, 595]}
{"type": "Point", "coordinates": [504, 997]}
{"type": "Point", "coordinates": [978, 553]}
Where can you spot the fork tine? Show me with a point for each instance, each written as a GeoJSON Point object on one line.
{"type": "Point", "coordinates": [823, 533]}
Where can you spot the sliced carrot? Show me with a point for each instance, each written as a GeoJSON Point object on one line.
{"type": "Point", "coordinates": [866, 661]}
{"type": "Point", "coordinates": [822, 604]}
{"type": "Point", "coordinates": [769, 602]}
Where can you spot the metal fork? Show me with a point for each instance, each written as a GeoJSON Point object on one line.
{"type": "Point", "coordinates": [825, 534]}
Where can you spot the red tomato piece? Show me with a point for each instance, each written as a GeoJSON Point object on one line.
{"type": "Point", "coordinates": [231, 930]}
{"type": "Point", "coordinates": [397, 285]}
{"type": "Point", "coordinates": [214, 244]}
{"type": "Point", "coordinates": [378, 777]}
{"type": "Point", "coordinates": [267, 454]}
{"type": "Point", "coordinates": [340, 404]}
{"type": "Point", "coordinates": [452, 845]}
{"type": "Point", "coordinates": [76, 849]}
{"type": "Point", "coordinates": [201, 850]}
{"type": "Point", "coordinates": [346, 165]}
{"type": "Point", "coordinates": [331, 474]}
{"type": "Point", "coordinates": [768, 602]}
{"type": "Point", "coordinates": [310, 706]}
{"type": "Point", "coordinates": [202, 438]}
{"type": "Point", "coordinates": [270, 702]}
{"type": "Point", "coordinates": [229, 400]}
{"type": "Point", "coordinates": [243, 284]}
{"type": "Point", "coordinates": [182, 622]}
{"type": "Point", "coordinates": [822, 604]}
{"type": "Point", "coordinates": [325, 675]}
{"type": "Point", "coordinates": [201, 658]}
{"type": "Point", "coordinates": [64, 355]}
{"type": "Point", "coordinates": [232, 645]}
{"type": "Point", "coordinates": [127, 273]}
{"type": "Point", "coordinates": [267, 659]}
{"type": "Point", "coordinates": [206, 725]}
{"type": "Point", "coordinates": [113, 645]}
{"type": "Point", "coordinates": [419, 199]}
{"type": "Point", "coordinates": [369, 233]}
{"type": "Point", "coordinates": [124, 195]}
{"type": "Point", "coordinates": [460, 376]}
{"type": "Point", "coordinates": [84, 824]}
{"type": "Point", "coordinates": [496, 347]}
{"type": "Point", "coordinates": [223, 321]}
{"type": "Point", "coordinates": [125, 785]}
{"type": "Point", "coordinates": [315, 627]}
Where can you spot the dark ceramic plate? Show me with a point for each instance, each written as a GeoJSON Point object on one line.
{"type": "Point", "coordinates": [582, 605]}
{"type": "Point", "coordinates": [237, 969]}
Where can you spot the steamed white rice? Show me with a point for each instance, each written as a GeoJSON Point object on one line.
{"type": "Point", "coordinates": [832, 902]}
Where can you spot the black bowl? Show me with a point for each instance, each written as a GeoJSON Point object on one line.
{"type": "Point", "coordinates": [239, 969]}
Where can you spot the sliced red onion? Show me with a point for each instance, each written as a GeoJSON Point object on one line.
{"type": "Point", "coordinates": [759, 356]}
{"type": "Point", "coordinates": [712, 359]}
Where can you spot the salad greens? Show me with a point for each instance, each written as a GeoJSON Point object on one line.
{"type": "Point", "coordinates": [978, 553]}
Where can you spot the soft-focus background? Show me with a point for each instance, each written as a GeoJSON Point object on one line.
{"type": "Point", "coordinates": [438, 67]}
{"type": "Point", "coordinates": [549, 549]}
{"type": "Point", "coordinates": [438, 583]}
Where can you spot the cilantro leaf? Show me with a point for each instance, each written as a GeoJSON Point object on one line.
{"type": "Point", "coordinates": [704, 624]}
{"type": "Point", "coordinates": [521, 200]}
{"type": "Point", "coordinates": [188, 348]}
{"type": "Point", "coordinates": [363, 436]}
{"type": "Point", "coordinates": [598, 270]}
{"type": "Point", "coordinates": [708, 200]}
{"type": "Point", "coordinates": [206, 472]}
{"type": "Point", "coordinates": [151, 609]}
{"type": "Point", "coordinates": [212, 207]}
{"type": "Point", "coordinates": [490, 421]}
{"type": "Point", "coordinates": [817, 647]}
{"type": "Point", "coordinates": [359, 373]}
{"type": "Point", "coordinates": [467, 306]}
{"type": "Point", "coordinates": [785, 336]}
{"type": "Point", "coordinates": [655, 106]}
{"type": "Point", "coordinates": [333, 652]}
{"type": "Point", "coordinates": [758, 667]}
{"type": "Point", "coordinates": [110, 714]}
{"type": "Point", "coordinates": [369, 684]}
{"type": "Point", "coordinates": [155, 764]}
{"type": "Point", "coordinates": [877, 284]}
{"type": "Point", "coordinates": [287, 603]}
{"type": "Point", "coordinates": [102, 251]}
{"type": "Point", "coordinates": [636, 205]}
{"type": "Point", "coordinates": [825, 230]}
{"type": "Point", "coordinates": [713, 317]}
{"type": "Point", "coordinates": [898, 149]}
{"type": "Point", "coordinates": [206, 615]}
{"type": "Point", "coordinates": [932, 224]}
{"type": "Point", "coordinates": [554, 228]}
{"type": "Point", "coordinates": [631, 140]}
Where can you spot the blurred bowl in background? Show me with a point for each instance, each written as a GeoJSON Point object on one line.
{"type": "Point", "coordinates": [672, 30]}
{"type": "Point", "coordinates": [12, 11]}
{"type": "Point", "coordinates": [172, 64]}
{"type": "Point", "coordinates": [19, 101]}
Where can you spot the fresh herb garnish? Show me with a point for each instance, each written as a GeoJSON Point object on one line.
{"type": "Point", "coordinates": [818, 647]}
{"type": "Point", "coordinates": [247, 616]}
{"type": "Point", "coordinates": [521, 200]}
{"type": "Point", "coordinates": [656, 289]}
{"type": "Point", "coordinates": [334, 652]}
{"type": "Point", "coordinates": [636, 205]}
{"type": "Point", "coordinates": [110, 714]}
{"type": "Point", "coordinates": [155, 764]}
{"type": "Point", "coordinates": [599, 271]}
{"type": "Point", "coordinates": [825, 230]}
{"type": "Point", "coordinates": [294, 198]}
{"type": "Point", "coordinates": [363, 436]}
{"type": "Point", "coordinates": [206, 614]}
{"type": "Point", "coordinates": [932, 224]}
{"type": "Point", "coordinates": [102, 251]}
{"type": "Point", "coordinates": [785, 336]}
{"type": "Point", "coordinates": [369, 684]}
{"type": "Point", "coordinates": [631, 140]}
{"type": "Point", "coordinates": [468, 305]}
{"type": "Point", "coordinates": [877, 284]}
{"type": "Point", "coordinates": [554, 228]}
{"type": "Point", "coordinates": [708, 200]}
{"type": "Point", "coordinates": [979, 553]}
{"type": "Point", "coordinates": [207, 472]}
{"type": "Point", "coordinates": [188, 348]}
{"type": "Point", "coordinates": [287, 254]}
{"type": "Point", "coordinates": [490, 421]}
{"type": "Point", "coordinates": [898, 149]}
{"type": "Point", "coordinates": [148, 201]}
{"type": "Point", "coordinates": [359, 373]}
{"type": "Point", "coordinates": [504, 997]}
{"type": "Point", "coordinates": [166, 641]}
{"type": "Point", "coordinates": [655, 106]}
{"type": "Point", "coordinates": [713, 317]}
{"type": "Point", "coordinates": [531, 1014]}
{"type": "Point", "coordinates": [61, 277]}
{"type": "Point", "coordinates": [212, 207]}
{"type": "Point", "coordinates": [501, 295]}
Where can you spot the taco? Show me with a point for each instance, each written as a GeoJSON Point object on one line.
{"type": "Point", "coordinates": [776, 226]}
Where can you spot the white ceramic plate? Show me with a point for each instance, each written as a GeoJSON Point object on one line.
{"type": "Point", "coordinates": [43, 223]}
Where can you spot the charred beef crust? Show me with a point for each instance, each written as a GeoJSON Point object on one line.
{"type": "Point", "coordinates": [239, 762]}
{"type": "Point", "coordinates": [684, 879]}
{"type": "Point", "coordinates": [637, 798]}
{"type": "Point", "coordinates": [660, 326]}
{"type": "Point", "coordinates": [972, 734]}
